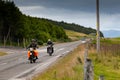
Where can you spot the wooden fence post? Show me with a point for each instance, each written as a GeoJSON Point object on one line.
{"type": "Point", "coordinates": [101, 77]}
{"type": "Point", "coordinates": [88, 67]}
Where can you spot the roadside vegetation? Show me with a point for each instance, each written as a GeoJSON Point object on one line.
{"type": "Point", "coordinates": [2, 53]}
{"type": "Point", "coordinates": [106, 63]}
{"type": "Point", "coordinates": [68, 68]}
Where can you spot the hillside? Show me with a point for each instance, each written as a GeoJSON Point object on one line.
{"type": "Point", "coordinates": [76, 27]}
{"type": "Point", "coordinates": [17, 28]}
{"type": "Point", "coordinates": [75, 35]}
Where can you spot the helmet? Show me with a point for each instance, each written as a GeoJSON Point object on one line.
{"type": "Point", "coordinates": [49, 40]}
{"type": "Point", "coordinates": [33, 40]}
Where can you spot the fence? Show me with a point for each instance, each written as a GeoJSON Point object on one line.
{"type": "Point", "coordinates": [88, 66]}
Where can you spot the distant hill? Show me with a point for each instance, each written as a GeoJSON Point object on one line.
{"type": "Point", "coordinates": [111, 33]}
{"type": "Point", "coordinates": [76, 27]}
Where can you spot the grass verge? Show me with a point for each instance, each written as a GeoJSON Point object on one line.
{"type": "Point", "coordinates": [2, 53]}
{"type": "Point", "coordinates": [107, 62]}
{"type": "Point", "coordinates": [68, 68]}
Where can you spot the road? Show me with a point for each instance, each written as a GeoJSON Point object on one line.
{"type": "Point", "coordinates": [15, 65]}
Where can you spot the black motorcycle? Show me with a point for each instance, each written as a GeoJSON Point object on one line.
{"type": "Point", "coordinates": [50, 50]}
{"type": "Point", "coordinates": [32, 56]}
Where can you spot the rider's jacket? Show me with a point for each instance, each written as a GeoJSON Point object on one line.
{"type": "Point", "coordinates": [33, 45]}
{"type": "Point", "coordinates": [49, 43]}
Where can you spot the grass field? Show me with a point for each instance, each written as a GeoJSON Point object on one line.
{"type": "Point", "coordinates": [74, 35]}
{"type": "Point", "coordinates": [107, 62]}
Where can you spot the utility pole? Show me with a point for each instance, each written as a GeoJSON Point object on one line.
{"type": "Point", "coordinates": [98, 25]}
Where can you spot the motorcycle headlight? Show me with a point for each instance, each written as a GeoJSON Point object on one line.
{"type": "Point", "coordinates": [31, 49]}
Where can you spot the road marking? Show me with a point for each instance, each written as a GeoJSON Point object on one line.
{"type": "Point", "coordinates": [9, 52]}
{"type": "Point", "coordinates": [39, 50]}
{"type": "Point", "coordinates": [83, 41]}
{"type": "Point", "coordinates": [60, 49]}
{"type": "Point", "coordinates": [66, 52]}
{"type": "Point", "coordinates": [36, 69]}
{"type": "Point", "coordinates": [3, 63]}
{"type": "Point", "coordinates": [17, 79]}
{"type": "Point", "coordinates": [43, 50]}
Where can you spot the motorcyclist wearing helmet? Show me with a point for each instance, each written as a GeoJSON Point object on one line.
{"type": "Point", "coordinates": [33, 45]}
{"type": "Point", "coordinates": [49, 42]}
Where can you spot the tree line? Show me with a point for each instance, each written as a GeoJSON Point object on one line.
{"type": "Point", "coordinates": [14, 25]}
{"type": "Point", "coordinates": [17, 27]}
{"type": "Point", "coordinates": [76, 27]}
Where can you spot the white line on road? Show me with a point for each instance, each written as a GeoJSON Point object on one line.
{"type": "Point", "coordinates": [66, 52]}
{"type": "Point", "coordinates": [19, 79]}
{"type": "Point", "coordinates": [40, 50]}
{"type": "Point", "coordinates": [43, 50]}
{"type": "Point", "coordinates": [38, 68]}
{"type": "Point", "coordinates": [3, 63]}
{"type": "Point", "coordinates": [60, 49]}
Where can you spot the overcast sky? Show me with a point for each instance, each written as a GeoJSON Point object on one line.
{"type": "Point", "coordinates": [82, 12]}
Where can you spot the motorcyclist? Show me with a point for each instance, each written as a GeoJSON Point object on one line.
{"type": "Point", "coordinates": [49, 42]}
{"type": "Point", "coordinates": [33, 45]}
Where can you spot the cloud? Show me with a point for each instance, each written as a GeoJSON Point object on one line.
{"type": "Point", "coordinates": [81, 12]}
{"type": "Point", "coordinates": [110, 21]}
{"type": "Point", "coordinates": [110, 6]}
{"type": "Point", "coordinates": [78, 17]}
{"type": "Point", "coordinates": [106, 6]}
{"type": "Point", "coordinates": [87, 19]}
{"type": "Point", "coordinates": [87, 5]}
{"type": "Point", "coordinates": [31, 8]}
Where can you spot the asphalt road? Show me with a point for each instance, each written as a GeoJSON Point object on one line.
{"type": "Point", "coordinates": [15, 65]}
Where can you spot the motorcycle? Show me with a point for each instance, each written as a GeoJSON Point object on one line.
{"type": "Point", "coordinates": [50, 50]}
{"type": "Point", "coordinates": [32, 57]}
